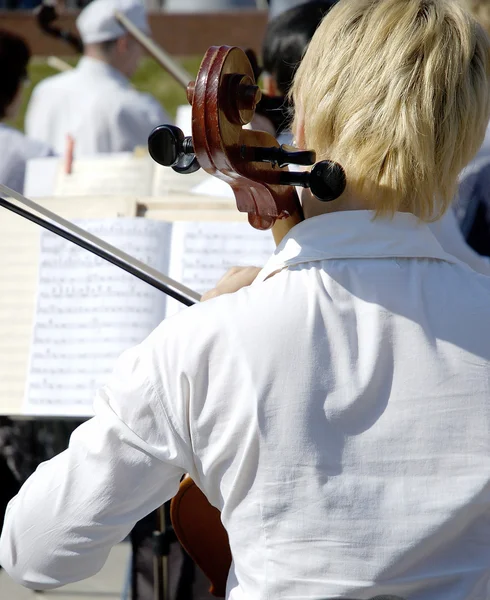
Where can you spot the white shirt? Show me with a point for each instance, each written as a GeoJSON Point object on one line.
{"type": "Point", "coordinates": [97, 106]}
{"type": "Point", "coordinates": [17, 149]}
{"type": "Point", "coordinates": [337, 413]}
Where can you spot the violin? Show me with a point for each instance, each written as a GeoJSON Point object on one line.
{"type": "Point", "coordinates": [224, 98]}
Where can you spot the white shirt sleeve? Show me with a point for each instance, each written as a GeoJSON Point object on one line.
{"type": "Point", "coordinates": [120, 465]}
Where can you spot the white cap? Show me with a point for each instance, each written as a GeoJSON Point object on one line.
{"type": "Point", "coordinates": [97, 23]}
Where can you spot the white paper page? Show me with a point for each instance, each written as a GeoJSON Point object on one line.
{"type": "Point", "coordinates": [121, 174]}
{"type": "Point", "coordinates": [191, 202]}
{"type": "Point", "coordinates": [40, 177]}
{"type": "Point", "coordinates": [88, 312]}
{"type": "Point", "coordinates": [201, 253]}
{"type": "Point", "coordinates": [19, 258]}
{"type": "Point", "coordinates": [161, 212]}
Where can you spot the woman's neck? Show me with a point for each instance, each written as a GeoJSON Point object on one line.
{"type": "Point", "coordinates": [312, 207]}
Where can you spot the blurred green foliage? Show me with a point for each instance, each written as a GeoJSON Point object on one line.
{"type": "Point", "coordinates": [150, 77]}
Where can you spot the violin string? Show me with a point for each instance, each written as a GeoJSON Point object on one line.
{"type": "Point", "coordinates": [104, 250]}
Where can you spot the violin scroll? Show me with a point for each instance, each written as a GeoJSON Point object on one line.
{"type": "Point", "coordinates": [224, 98]}
{"type": "Point", "coordinates": [46, 15]}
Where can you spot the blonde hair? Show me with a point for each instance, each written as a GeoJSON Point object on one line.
{"type": "Point", "coordinates": [397, 92]}
{"type": "Point", "coordinates": [480, 9]}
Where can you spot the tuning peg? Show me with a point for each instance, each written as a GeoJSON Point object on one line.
{"type": "Point", "coordinates": [326, 180]}
{"type": "Point", "coordinates": [280, 155]}
{"type": "Point", "coordinates": [169, 147]}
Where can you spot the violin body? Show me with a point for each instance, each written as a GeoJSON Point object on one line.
{"type": "Point", "coordinates": [198, 526]}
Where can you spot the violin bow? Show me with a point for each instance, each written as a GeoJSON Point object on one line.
{"type": "Point", "coordinates": [49, 220]}
{"type": "Point", "coordinates": [163, 58]}
{"type": "Point", "coordinates": [58, 64]}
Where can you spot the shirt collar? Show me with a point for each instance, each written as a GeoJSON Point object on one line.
{"type": "Point", "coordinates": [355, 234]}
{"type": "Point", "coordinates": [94, 66]}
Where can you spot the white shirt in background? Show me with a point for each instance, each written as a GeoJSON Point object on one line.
{"type": "Point", "coordinates": [97, 106]}
{"type": "Point", "coordinates": [337, 413]}
{"type": "Point", "coordinates": [17, 149]}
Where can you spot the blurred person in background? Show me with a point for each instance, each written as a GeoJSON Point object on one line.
{"type": "Point", "coordinates": [286, 38]}
{"type": "Point", "coordinates": [17, 149]}
{"type": "Point", "coordinates": [23, 443]}
{"type": "Point", "coordinates": [472, 204]}
{"type": "Point", "coordinates": [95, 103]}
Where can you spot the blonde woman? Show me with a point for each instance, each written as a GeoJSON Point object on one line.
{"type": "Point", "coordinates": [337, 410]}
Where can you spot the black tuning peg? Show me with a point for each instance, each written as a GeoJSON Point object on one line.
{"type": "Point", "coordinates": [169, 147]}
{"type": "Point", "coordinates": [279, 155]}
{"type": "Point", "coordinates": [326, 180]}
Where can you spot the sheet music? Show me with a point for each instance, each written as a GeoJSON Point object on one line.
{"type": "Point", "coordinates": [121, 174]}
{"type": "Point", "coordinates": [89, 311]}
{"type": "Point", "coordinates": [201, 253]}
{"type": "Point", "coordinates": [19, 256]}
{"type": "Point", "coordinates": [18, 273]}
{"type": "Point", "coordinates": [170, 212]}
{"type": "Point", "coordinates": [186, 201]}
